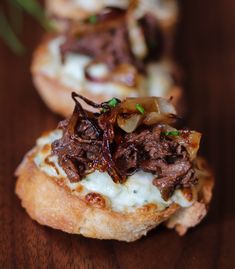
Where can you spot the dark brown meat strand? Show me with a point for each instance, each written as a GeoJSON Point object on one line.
{"type": "Point", "coordinates": [80, 152]}
{"type": "Point", "coordinates": [152, 152]}
{"type": "Point", "coordinates": [94, 143]}
{"type": "Point", "coordinates": [112, 46]}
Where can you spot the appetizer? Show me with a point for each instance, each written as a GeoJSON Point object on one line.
{"type": "Point", "coordinates": [116, 173]}
{"type": "Point", "coordinates": [116, 52]}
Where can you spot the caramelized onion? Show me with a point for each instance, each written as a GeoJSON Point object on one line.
{"type": "Point", "coordinates": [150, 104]}
{"type": "Point", "coordinates": [156, 110]}
{"type": "Point", "coordinates": [165, 106]}
{"type": "Point", "coordinates": [86, 100]}
{"type": "Point", "coordinates": [193, 144]}
{"type": "Point", "coordinates": [130, 123]}
{"type": "Point", "coordinates": [129, 105]}
{"type": "Point", "coordinates": [155, 117]}
{"type": "Point", "coordinates": [191, 141]}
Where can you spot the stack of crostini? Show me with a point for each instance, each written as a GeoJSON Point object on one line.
{"type": "Point", "coordinates": [117, 166]}
{"type": "Point", "coordinates": [107, 48]}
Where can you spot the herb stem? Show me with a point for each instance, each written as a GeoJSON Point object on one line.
{"type": "Point", "coordinates": [140, 108]}
{"type": "Point", "coordinates": [9, 37]}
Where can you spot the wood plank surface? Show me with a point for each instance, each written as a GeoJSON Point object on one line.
{"type": "Point", "coordinates": [206, 49]}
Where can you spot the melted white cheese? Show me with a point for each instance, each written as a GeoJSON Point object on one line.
{"type": "Point", "coordinates": [136, 192]}
{"type": "Point", "coordinates": [71, 72]}
{"type": "Point", "coordinates": [158, 81]}
{"type": "Point", "coordinates": [44, 152]}
{"type": "Point", "coordinates": [94, 5]}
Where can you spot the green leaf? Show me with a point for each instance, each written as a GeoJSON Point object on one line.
{"type": "Point", "coordinates": [113, 102]}
{"type": "Point", "coordinates": [15, 16]}
{"type": "Point", "coordinates": [172, 133]}
{"type": "Point", "coordinates": [35, 9]}
{"type": "Point", "coordinates": [9, 37]}
{"type": "Point", "coordinates": [92, 19]}
{"type": "Point", "coordinates": [139, 108]}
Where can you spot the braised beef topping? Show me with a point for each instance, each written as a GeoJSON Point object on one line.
{"type": "Point", "coordinates": [150, 151]}
{"type": "Point", "coordinates": [106, 39]}
{"type": "Point", "coordinates": [109, 44]}
{"type": "Point", "coordinates": [94, 141]}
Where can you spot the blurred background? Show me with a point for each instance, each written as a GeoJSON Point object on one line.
{"type": "Point", "coordinates": [205, 47]}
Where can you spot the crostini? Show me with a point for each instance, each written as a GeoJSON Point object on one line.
{"type": "Point", "coordinates": [114, 53]}
{"type": "Point", "coordinates": [116, 173]}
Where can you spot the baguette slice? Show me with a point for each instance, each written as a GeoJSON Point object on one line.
{"type": "Point", "coordinates": [55, 205]}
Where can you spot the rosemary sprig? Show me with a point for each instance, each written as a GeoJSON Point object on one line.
{"type": "Point", "coordinates": [15, 16]}
{"type": "Point", "coordinates": [9, 28]}
{"type": "Point", "coordinates": [35, 10]}
{"type": "Point", "coordinates": [9, 37]}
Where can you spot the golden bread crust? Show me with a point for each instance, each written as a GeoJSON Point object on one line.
{"type": "Point", "coordinates": [53, 205]}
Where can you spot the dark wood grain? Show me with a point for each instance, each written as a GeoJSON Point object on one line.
{"type": "Point", "coordinates": [206, 49]}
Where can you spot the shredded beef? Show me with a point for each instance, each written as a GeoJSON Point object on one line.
{"type": "Point", "coordinates": [150, 151]}
{"type": "Point", "coordinates": [111, 47]}
{"type": "Point", "coordinates": [93, 142]}
{"type": "Point", "coordinates": [111, 44]}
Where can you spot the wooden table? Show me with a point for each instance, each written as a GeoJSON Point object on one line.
{"type": "Point", "coordinates": [206, 49]}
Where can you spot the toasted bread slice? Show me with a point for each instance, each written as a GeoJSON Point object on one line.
{"type": "Point", "coordinates": [51, 203]}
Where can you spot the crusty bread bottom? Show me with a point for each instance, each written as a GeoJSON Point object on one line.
{"type": "Point", "coordinates": [53, 205]}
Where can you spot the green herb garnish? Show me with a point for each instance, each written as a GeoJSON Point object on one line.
{"type": "Point", "coordinates": [92, 19]}
{"type": "Point", "coordinates": [172, 133]}
{"type": "Point", "coordinates": [113, 102]}
{"type": "Point", "coordinates": [139, 108]}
